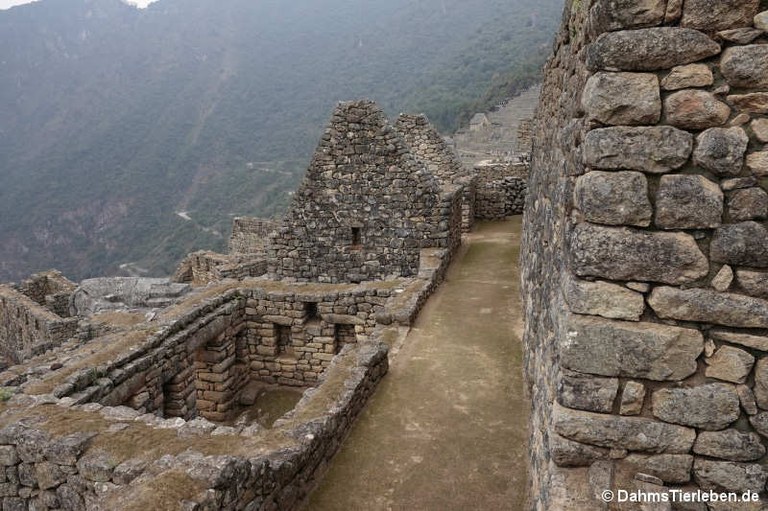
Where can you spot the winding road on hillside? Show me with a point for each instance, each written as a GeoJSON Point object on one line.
{"type": "Point", "coordinates": [446, 429]}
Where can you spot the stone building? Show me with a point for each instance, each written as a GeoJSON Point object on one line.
{"type": "Point", "coordinates": [366, 207]}
{"type": "Point", "coordinates": [644, 257]}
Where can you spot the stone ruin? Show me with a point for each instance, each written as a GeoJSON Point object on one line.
{"type": "Point", "coordinates": [120, 388]}
{"type": "Point", "coordinates": [645, 255]}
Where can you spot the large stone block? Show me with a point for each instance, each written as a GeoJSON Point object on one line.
{"type": "Point", "coordinates": [622, 98]}
{"type": "Point", "coordinates": [757, 342]}
{"type": "Point", "coordinates": [628, 254]}
{"type": "Point", "coordinates": [649, 49]}
{"type": "Point", "coordinates": [670, 468]}
{"type": "Point", "coordinates": [616, 432]}
{"type": "Point", "coordinates": [585, 392]}
{"type": "Point", "coordinates": [713, 406]}
{"type": "Point", "coordinates": [635, 350]}
{"type": "Point", "coordinates": [691, 75]}
{"type": "Point", "coordinates": [614, 198]}
{"type": "Point", "coordinates": [754, 102]}
{"type": "Point", "coordinates": [567, 453]}
{"type": "Point", "coordinates": [730, 476]}
{"type": "Point", "coordinates": [603, 299]}
{"type": "Point", "coordinates": [729, 444]}
{"type": "Point", "coordinates": [655, 149]}
{"type": "Point", "coordinates": [757, 163]}
{"type": "Point", "coordinates": [720, 15]}
{"type": "Point", "coordinates": [721, 150]}
{"type": "Point", "coordinates": [729, 364]}
{"type": "Point", "coordinates": [695, 110]}
{"type": "Point", "coordinates": [709, 306]}
{"type": "Point", "coordinates": [742, 244]}
{"type": "Point", "coordinates": [748, 204]}
{"type": "Point", "coordinates": [754, 283]}
{"type": "Point", "coordinates": [688, 202]}
{"type": "Point", "coordinates": [746, 66]}
{"type": "Point", "coordinates": [622, 14]}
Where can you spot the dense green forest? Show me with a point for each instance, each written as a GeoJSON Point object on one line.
{"type": "Point", "coordinates": [113, 120]}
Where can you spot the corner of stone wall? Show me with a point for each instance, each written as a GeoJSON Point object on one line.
{"type": "Point", "coordinates": [645, 253]}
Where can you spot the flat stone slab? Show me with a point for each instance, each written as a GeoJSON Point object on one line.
{"type": "Point", "coordinates": [630, 254]}
{"type": "Point", "coordinates": [616, 432]}
{"type": "Point", "coordinates": [656, 149]}
{"type": "Point", "coordinates": [636, 350]}
{"type": "Point", "coordinates": [711, 407]}
{"type": "Point", "coordinates": [709, 306]}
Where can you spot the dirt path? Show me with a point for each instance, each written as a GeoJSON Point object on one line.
{"type": "Point", "coordinates": [446, 430]}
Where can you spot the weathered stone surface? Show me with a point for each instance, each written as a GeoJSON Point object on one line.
{"type": "Point", "coordinates": [603, 299]}
{"type": "Point", "coordinates": [585, 392]}
{"type": "Point", "coordinates": [747, 399]}
{"type": "Point", "coordinates": [692, 75]}
{"type": "Point", "coordinates": [655, 149]}
{"type": "Point", "coordinates": [631, 433]}
{"type": "Point", "coordinates": [8, 456]}
{"type": "Point", "coordinates": [128, 470]}
{"type": "Point", "coordinates": [740, 35]}
{"type": "Point", "coordinates": [96, 466]}
{"type": "Point", "coordinates": [712, 406]}
{"type": "Point", "coordinates": [649, 49]}
{"type": "Point", "coordinates": [567, 453]}
{"type": "Point", "coordinates": [720, 15]}
{"type": "Point", "coordinates": [708, 306]}
{"type": "Point", "coordinates": [49, 475]}
{"type": "Point", "coordinates": [750, 341]}
{"type": "Point", "coordinates": [760, 129]}
{"type": "Point", "coordinates": [66, 450]}
{"type": "Point", "coordinates": [688, 202]}
{"type": "Point", "coordinates": [754, 102]}
{"type": "Point", "coordinates": [746, 66]}
{"type": "Point", "coordinates": [761, 21]}
{"type": "Point", "coordinates": [723, 280]}
{"type": "Point", "coordinates": [760, 388]}
{"type": "Point", "coordinates": [622, 14]}
{"type": "Point", "coordinates": [729, 444]}
{"type": "Point", "coordinates": [737, 183]}
{"type": "Point", "coordinates": [748, 204]}
{"type": "Point", "coordinates": [754, 283]}
{"type": "Point", "coordinates": [695, 109]}
{"type": "Point", "coordinates": [628, 254]}
{"type": "Point", "coordinates": [721, 150]}
{"type": "Point", "coordinates": [614, 198]}
{"type": "Point", "coordinates": [727, 475]}
{"type": "Point", "coordinates": [741, 244]}
{"type": "Point", "coordinates": [670, 468]}
{"type": "Point", "coordinates": [757, 163]}
{"type": "Point", "coordinates": [730, 364]}
{"type": "Point", "coordinates": [622, 98]}
{"type": "Point", "coordinates": [636, 350]}
{"type": "Point", "coordinates": [632, 398]}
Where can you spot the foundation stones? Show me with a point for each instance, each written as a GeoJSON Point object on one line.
{"type": "Point", "coordinates": [627, 254]}
{"type": "Point", "coordinates": [649, 49]}
{"type": "Point", "coordinates": [636, 350]}
{"type": "Point", "coordinates": [688, 202]}
{"type": "Point", "coordinates": [614, 198]}
{"type": "Point", "coordinates": [711, 407]}
{"type": "Point", "coordinates": [647, 149]}
{"type": "Point", "coordinates": [622, 98]}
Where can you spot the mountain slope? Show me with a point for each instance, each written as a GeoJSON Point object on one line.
{"type": "Point", "coordinates": [114, 119]}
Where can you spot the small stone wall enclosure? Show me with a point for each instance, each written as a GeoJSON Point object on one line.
{"type": "Point", "coordinates": [645, 258]}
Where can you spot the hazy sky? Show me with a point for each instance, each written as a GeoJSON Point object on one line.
{"type": "Point", "coordinates": [5, 4]}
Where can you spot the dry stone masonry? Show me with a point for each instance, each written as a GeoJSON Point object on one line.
{"type": "Point", "coordinates": [645, 259]}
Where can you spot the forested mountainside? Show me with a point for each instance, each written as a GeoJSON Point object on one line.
{"type": "Point", "coordinates": [129, 137]}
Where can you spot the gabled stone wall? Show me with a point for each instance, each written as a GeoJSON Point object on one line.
{"type": "Point", "coordinates": [251, 235]}
{"type": "Point", "coordinates": [644, 259]}
{"type": "Point", "coordinates": [50, 289]}
{"type": "Point", "coordinates": [365, 208]}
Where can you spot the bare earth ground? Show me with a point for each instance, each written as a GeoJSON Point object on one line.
{"type": "Point", "coordinates": [446, 430]}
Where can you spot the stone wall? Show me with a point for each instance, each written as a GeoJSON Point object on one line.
{"type": "Point", "coordinates": [365, 208]}
{"type": "Point", "coordinates": [251, 235]}
{"type": "Point", "coordinates": [203, 267]}
{"type": "Point", "coordinates": [501, 190]}
{"type": "Point", "coordinates": [644, 254]}
{"type": "Point", "coordinates": [27, 328]}
{"type": "Point", "coordinates": [50, 289]}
